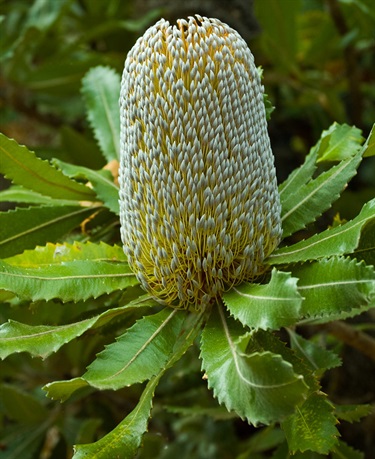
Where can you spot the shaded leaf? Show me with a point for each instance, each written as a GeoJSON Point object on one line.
{"type": "Point", "coordinates": [126, 438]}
{"type": "Point", "coordinates": [24, 228]}
{"type": "Point", "coordinates": [343, 239]}
{"type": "Point", "coordinates": [139, 353]}
{"type": "Point", "coordinates": [366, 247]}
{"type": "Point", "coordinates": [344, 451]}
{"type": "Point", "coordinates": [67, 272]}
{"type": "Point", "coordinates": [273, 305]}
{"type": "Point", "coordinates": [21, 406]}
{"type": "Point", "coordinates": [102, 182]}
{"type": "Point", "coordinates": [101, 93]}
{"type": "Point", "coordinates": [22, 442]}
{"type": "Point", "coordinates": [261, 387]}
{"type": "Point", "coordinates": [314, 355]}
{"type": "Point", "coordinates": [312, 427]}
{"type": "Point", "coordinates": [22, 167]}
{"type": "Point", "coordinates": [352, 413]}
{"type": "Point", "coordinates": [335, 286]}
{"type": "Point", "coordinates": [43, 340]}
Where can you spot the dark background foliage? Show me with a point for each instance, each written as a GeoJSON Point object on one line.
{"type": "Point", "coordinates": [318, 58]}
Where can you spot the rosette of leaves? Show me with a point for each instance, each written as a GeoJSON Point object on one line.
{"type": "Point", "coordinates": [62, 261]}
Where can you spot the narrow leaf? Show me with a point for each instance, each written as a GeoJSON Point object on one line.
{"type": "Point", "coordinates": [24, 228]}
{"type": "Point", "coordinates": [261, 387]}
{"type": "Point", "coordinates": [126, 438]}
{"type": "Point", "coordinates": [343, 239]}
{"type": "Point", "coordinates": [352, 413]}
{"type": "Point", "coordinates": [308, 202]}
{"type": "Point", "coordinates": [344, 451]}
{"type": "Point", "coordinates": [22, 167]}
{"type": "Point", "coordinates": [333, 287]}
{"type": "Point", "coordinates": [138, 354]}
{"type": "Point", "coordinates": [67, 272]}
{"type": "Point", "coordinates": [20, 194]}
{"type": "Point", "coordinates": [43, 340]}
{"type": "Point", "coordinates": [312, 427]}
{"type": "Point", "coordinates": [369, 146]}
{"type": "Point", "coordinates": [101, 92]}
{"type": "Point", "coordinates": [102, 182]}
{"type": "Point", "coordinates": [267, 306]}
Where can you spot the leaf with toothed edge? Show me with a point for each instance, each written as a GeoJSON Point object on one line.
{"type": "Point", "coordinates": [267, 306]}
{"type": "Point", "coordinates": [66, 272]}
{"type": "Point", "coordinates": [24, 168]}
{"type": "Point", "coordinates": [261, 386]}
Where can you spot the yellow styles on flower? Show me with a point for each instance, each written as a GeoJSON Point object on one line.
{"type": "Point", "coordinates": [199, 205]}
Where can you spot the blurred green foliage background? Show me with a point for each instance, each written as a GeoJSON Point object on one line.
{"type": "Point", "coordinates": [318, 58]}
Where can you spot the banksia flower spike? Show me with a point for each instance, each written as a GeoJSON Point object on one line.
{"type": "Point", "coordinates": [199, 205]}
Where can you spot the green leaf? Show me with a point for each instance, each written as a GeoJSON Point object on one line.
{"type": "Point", "coordinates": [20, 406]}
{"type": "Point", "coordinates": [343, 239]}
{"type": "Point", "coordinates": [267, 306]}
{"type": "Point", "coordinates": [309, 201]}
{"type": "Point", "coordinates": [139, 353]}
{"type": "Point", "coordinates": [312, 427]}
{"type": "Point", "coordinates": [339, 142]}
{"type": "Point", "coordinates": [366, 247]}
{"type": "Point", "coordinates": [23, 442]}
{"type": "Point", "coordinates": [126, 438]}
{"type": "Point", "coordinates": [43, 340]}
{"type": "Point", "coordinates": [20, 194]}
{"type": "Point", "coordinates": [67, 272]}
{"type": "Point", "coordinates": [332, 287]}
{"type": "Point", "coordinates": [102, 182]}
{"type": "Point", "coordinates": [22, 167]}
{"type": "Point", "coordinates": [24, 228]}
{"type": "Point", "coordinates": [62, 390]}
{"type": "Point", "coordinates": [344, 451]}
{"type": "Point", "coordinates": [352, 413]}
{"type": "Point", "coordinates": [101, 93]}
{"type": "Point", "coordinates": [261, 387]}
{"type": "Point", "coordinates": [369, 146]}
{"type": "Point", "coordinates": [315, 356]}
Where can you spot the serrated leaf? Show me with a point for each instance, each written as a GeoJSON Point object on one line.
{"type": "Point", "coordinates": [309, 201]}
{"type": "Point", "coordinates": [267, 306]}
{"type": "Point", "coordinates": [101, 93]}
{"type": "Point", "coordinates": [126, 438]}
{"type": "Point", "coordinates": [102, 182]}
{"type": "Point", "coordinates": [312, 427]}
{"type": "Point", "coordinates": [335, 286]}
{"type": "Point", "coordinates": [352, 413]}
{"type": "Point", "coordinates": [313, 355]}
{"type": "Point", "coordinates": [24, 228]}
{"type": "Point", "coordinates": [343, 239]}
{"type": "Point", "coordinates": [261, 387]}
{"type": "Point", "coordinates": [342, 142]}
{"type": "Point", "coordinates": [366, 247]}
{"type": "Point", "coordinates": [344, 451]}
{"type": "Point", "coordinates": [67, 272]}
{"type": "Point", "coordinates": [22, 167]}
{"type": "Point", "coordinates": [20, 194]}
{"type": "Point", "coordinates": [62, 390]}
{"type": "Point", "coordinates": [43, 340]}
{"type": "Point", "coordinates": [139, 353]}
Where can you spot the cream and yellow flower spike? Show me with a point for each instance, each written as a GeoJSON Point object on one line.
{"type": "Point", "coordinates": [199, 205]}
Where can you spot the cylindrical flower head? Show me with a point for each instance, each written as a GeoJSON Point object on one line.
{"type": "Point", "coordinates": [199, 205]}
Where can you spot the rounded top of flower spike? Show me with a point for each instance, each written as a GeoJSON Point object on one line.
{"type": "Point", "coordinates": [199, 205]}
